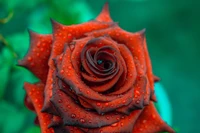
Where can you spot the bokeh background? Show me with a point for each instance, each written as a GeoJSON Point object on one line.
{"type": "Point", "coordinates": [172, 31]}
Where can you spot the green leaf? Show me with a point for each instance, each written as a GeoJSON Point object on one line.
{"type": "Point", "coordinates": [19, 42]}
{"type": "Point", "coordinates": [6, 60]}
{"type": "Point", "coordinates": [15, 92]}
{"type": "Point", "coordinates": [12, 119]}
{"type": "Point", "coordinates": [33, 129]}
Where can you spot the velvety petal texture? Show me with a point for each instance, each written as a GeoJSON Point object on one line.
{"type": "Point", "coordinates": [94, 78]}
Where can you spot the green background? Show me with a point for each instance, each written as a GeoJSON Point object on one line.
{"type": "Point", "coordinates": [172, 31]}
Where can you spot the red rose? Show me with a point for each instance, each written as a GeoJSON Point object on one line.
{"type": "Point", "coordinates": [94, 77]}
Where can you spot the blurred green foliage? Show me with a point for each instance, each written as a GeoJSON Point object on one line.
{"type": "Point", "coordinates": [172, 36]}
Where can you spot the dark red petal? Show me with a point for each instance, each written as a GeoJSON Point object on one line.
{"type": "Point", "coordinates": [149, 70]}
{"type": "Point", "coordinates": [57, 125]}
{"type": "Point", "coordinates": [156, 79]}
{"type": "Point", "coordinates": [36, 60]}
{"type": "Point", "coordinates": [133, 41]}
{"type": "Point", "coordinates": [104, 107]}
{"type": "Point", "coordinates": [70, 77]}
{"type": "Point", "coordinates": [104, 16]}
{"type": "Point", "coordinates": [131, 70]}
{"type": "Point", "coordinates": [35, 93]}
{"type": "Point", "coordinates": [137, 101]}
{"type": "Point", "coordinates": [76, 54]}
{"type": "Point", "coordinates": [103, 43]}
{"type": "Point", "coordinates": [73, 115]}
{"type": "Point", "coordinates": [150, 122]}
{"type": "Point", "coordinates": [36, 121]}
{"type": "Point", "coordinates": [147, 93]}
{"type": "Point", "coordinates": [125, 125]}
{"type": "Point", "coordinates": [28, 103]}
{"type": "Point", "coordinates": [63, 34]}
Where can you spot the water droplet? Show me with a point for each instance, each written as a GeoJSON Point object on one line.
{"type": "Point", "coordinates": [144, 121]}
{"type": "Point", "coordinates": [137, 92]}
{"type": "Point", "coordinates": [153, 116]}
{"type": "Point", "coordinates": [137, 101]}
{"type": "Point", "coordinates": [60, 58]}
{"type": "Point", "coordinates": [82, 120]}
{"type": "Point", "coordinates": [107, 117]}
{"type": "Point", "coordinates": [114, 124]}
{"type": "Point", "coordinates": [36, 100]}
{"type": "Point", "coordinates": [140, 129]}
{"type": "Point", "coordinates": [73, 116]}
{"type": "Point", "coordinates": [60, 101]}
{"type": "Point", "coordinates": [29, 58]}
{"type": "Point", "coordinates": [98, 104]}
{"type": "Point", "coordinates": [62, 71]}
{"type": "Point", "coordinates": [69, 67]}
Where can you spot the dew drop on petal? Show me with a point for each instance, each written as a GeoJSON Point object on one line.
{"type": "Point", "coordinates": [60, 101]}
{"type": "Point", "coordinates": [82, 120]}
{"type": "Point", "coordinates": [73, 116]}
{"type": "Point", "coordinates": [114, 124]}
{"type": "Point", "coordinates": [98, 104]}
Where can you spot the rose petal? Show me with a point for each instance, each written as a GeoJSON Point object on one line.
{"type": "Point", "coordinates": [58, 126]}
{"type": "Point", "coordinates": [70, 78]}
{"type": "Point", "coordinates": [63, 34]}
{"type": "Point", "coordinates": [36, 60]}
{"type": "Point", "coordinates": [28, 103]}
{"type": "Point", "coordinates": [104, 16]}
{"type": "Point", "coordinates": [137, 101]}
{"type": "Point", "coordinates": [35, 93]}
{"type": "Point", "coordinates": [156, 78]}
{"type": "Point", "coordinates": [104, 107]}
{"type": "Point", "coordinates": [131, 70]}
{"type": "Point", "coordinates": [125, 125]}
{"type": "Point", "coordinates": [76, 54]}
{"type": "Point", "coordinates": [133, 41]}
{"type": "Point", "coordinates": [149, 71]}
{"type": "Point", "coordinates": [150, 122]}
{"type": "Point", "coordinates": [73, 115]}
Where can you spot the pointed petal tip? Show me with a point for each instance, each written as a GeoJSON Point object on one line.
{"type": "Point", "coordinates": [153, 98]}
{"type": "Point", "coordinates": [33, 33]}
{"type": "Point", "coordinates": [54, 22]}
{"type": "Point", "coordinates": [142, 32]}
{"type": "Point", "coordinates": [167, 128]}
{"type": "Point", "coordinates": [156, 78]}
{"type": "Point", "coordinates": [20, 63]}
{"type": "Point", "coordinates": [56, 25]}
{"type": "Point", "coordinates": [104, 15]}
{"type": "Point", "coordinates": [106, 7]}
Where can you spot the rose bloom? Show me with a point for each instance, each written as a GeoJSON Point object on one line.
{"type": "Point", "coordinates": [94, 78]}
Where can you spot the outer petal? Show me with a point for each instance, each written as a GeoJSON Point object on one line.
{"type": "Point", "coordinates": [35, 93]}
{"type": "Point", "coordinates": [150, 75]}
{"type": "Point", "coordinates": [104, 16]}
{"type": "Point", "coordinates": [150, 122]}
{"type": "Point", "coordinates": [74, 115]}
{"type": "Point", "coordinates": [125, 125]}
{"type": "Point", "coordinates": [36, 60]}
